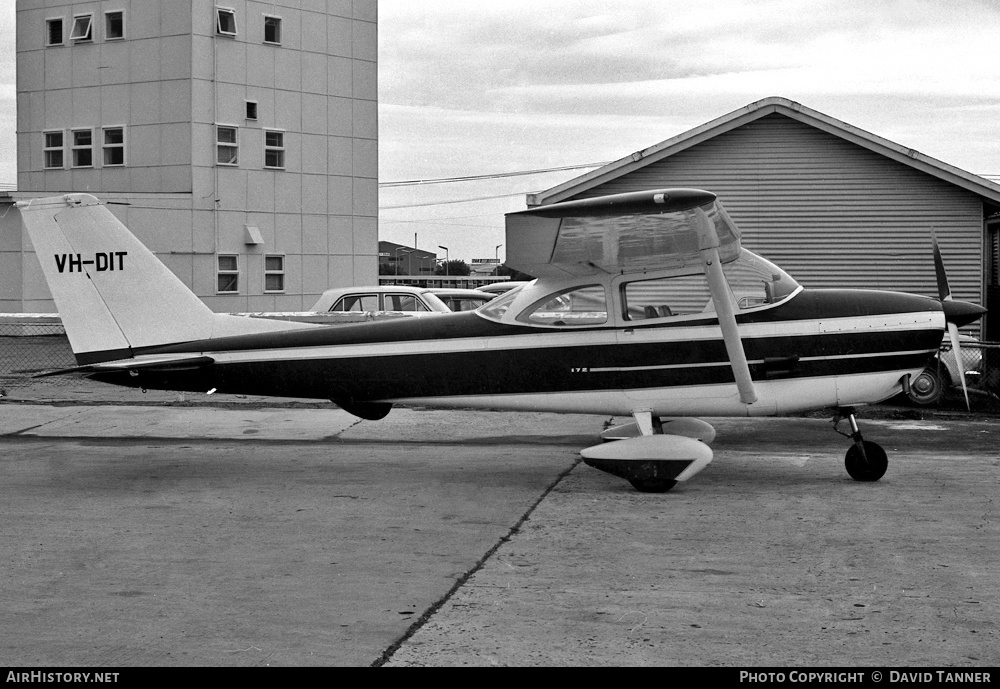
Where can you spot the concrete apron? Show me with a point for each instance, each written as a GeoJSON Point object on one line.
{"type": "Point", "coordinates": [172, 536]}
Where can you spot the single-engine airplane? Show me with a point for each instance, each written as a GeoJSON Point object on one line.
{"type": "Point", "coordinates": [645, 305]}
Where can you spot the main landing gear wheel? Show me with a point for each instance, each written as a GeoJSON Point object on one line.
{"type": "Point", "coordinates": [865, 460]}
{"type": "Point", "coordinates": [870, 466]}
{"type": "Point", "coordinates": [652, 485]}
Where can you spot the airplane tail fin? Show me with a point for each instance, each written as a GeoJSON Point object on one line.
{"type": "Point", "coordinates": [112, 293]}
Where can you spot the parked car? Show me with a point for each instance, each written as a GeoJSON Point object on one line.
{"type": "Point", "coordinates": [462, 299]}
{"type": "Point", "coordinates": [381, 298]}
{"type": "Point", "coordinates": [496, 288]}
{"type": "Point", "coordinates": [945, 372]}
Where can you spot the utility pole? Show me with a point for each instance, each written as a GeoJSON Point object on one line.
{"type": "Point", "coordinates": [445, 259]}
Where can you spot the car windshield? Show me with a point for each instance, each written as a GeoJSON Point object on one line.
{"type": "Point", "coordinates": [496, 308]}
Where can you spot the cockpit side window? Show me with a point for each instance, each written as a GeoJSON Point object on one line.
{"type": "Point", "coordinates": [665, 297]}
{"type": "Point", "coordinates": [573, 307]}
{"type": "Point", "coordinates": [753, 281]}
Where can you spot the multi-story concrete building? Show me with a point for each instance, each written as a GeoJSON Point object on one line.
{"type": "Point", "coordinates": [242, 136]}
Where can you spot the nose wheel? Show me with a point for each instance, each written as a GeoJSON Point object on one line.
{"type": "Point", "coordinates": [865, 460]}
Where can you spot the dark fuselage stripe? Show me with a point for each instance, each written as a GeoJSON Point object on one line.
{"type": "Point", "coordinates": [551, 369]}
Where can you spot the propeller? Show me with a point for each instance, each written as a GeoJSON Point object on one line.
{"type": "Point", "coordinates": [956, 313]}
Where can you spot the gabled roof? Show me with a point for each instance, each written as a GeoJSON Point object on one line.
{"type": "Point", "coordinates": [387, 246]}
{"type": "Point", "coordinates": [754, 111]}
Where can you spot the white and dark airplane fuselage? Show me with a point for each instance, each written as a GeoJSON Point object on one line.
{"type": "Point", "coordinates": [819, 348]}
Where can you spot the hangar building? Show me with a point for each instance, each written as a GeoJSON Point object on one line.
{"type": "Point", "coordinates": [833, 205]}
{"type": "Point", "coordinates": [242, 136]}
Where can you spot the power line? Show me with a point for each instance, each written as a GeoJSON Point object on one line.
{"type": "Point", "coordinates": [445, 203]}
{"type": "Point", "coordinates": [496, 175]}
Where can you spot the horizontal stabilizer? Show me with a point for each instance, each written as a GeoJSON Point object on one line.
{"type": "Point", "coordinates": [173, 362]}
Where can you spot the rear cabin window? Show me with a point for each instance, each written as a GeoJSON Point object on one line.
{"type": "Point", "coordinates": [578, 306]}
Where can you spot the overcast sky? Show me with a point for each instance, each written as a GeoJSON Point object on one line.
{"type": "Point", "coordinates": [475, 88]}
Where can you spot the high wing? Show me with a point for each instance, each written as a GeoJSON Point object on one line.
{"type": "Point", "coordinates": [633, 232]}
{"type": "Point", "coordinates": [621, 233]}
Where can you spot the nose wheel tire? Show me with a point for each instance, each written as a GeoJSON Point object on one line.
{"type": "Point", "coordinates": [870, 466]}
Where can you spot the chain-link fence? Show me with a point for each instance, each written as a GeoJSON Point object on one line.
{"type": "Point", "coordinates": [30, 346]}
{"type": "Point", "coordinates": [980, 365]}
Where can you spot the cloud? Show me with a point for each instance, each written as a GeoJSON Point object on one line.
{"type": "Point", "coordinates": [467, 88]}
{"type": "Point", "coordinates": [567, 55]}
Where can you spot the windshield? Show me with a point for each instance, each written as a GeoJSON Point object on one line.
{"type": "Point", "coordinates": [755, 281]}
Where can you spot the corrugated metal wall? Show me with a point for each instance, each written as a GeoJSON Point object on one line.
{"type": "Point", "coordinates": [831, 213]}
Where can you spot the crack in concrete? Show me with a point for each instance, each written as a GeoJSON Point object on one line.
{"type": "Point", "coordinates": [432, 610]}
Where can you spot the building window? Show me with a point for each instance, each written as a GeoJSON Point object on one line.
{"type": "Point", "coordinates": [83, 147]}
{"type": "Point", "coordinates": [82, 28]}
{"type": "Point", "coordinates": [272, 29]}
{"type": "Point", "coordinates": [227, 145]}
{"type": "Point", "coordinates": [114, 146]}
{"type": "Point", "coordinates": [274, 273]}
{"type": "Point", "coordinates": [274, 149]}
{"type": "Point", "coordinates": [225, 21]}
{"type": "Point", "coordinates": [114, 25]}
{"type": "Point", "coordinates": [251, 110]}
{"type": "Point", "coordinates": [54, 150]}
{"type": "Point", "coordinates": [54, 31]}
{"type": "Point", "coordinates": [229, 273]}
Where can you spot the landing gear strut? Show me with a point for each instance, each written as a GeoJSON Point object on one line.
{"type": "Point", "coordinates": [865, 460]}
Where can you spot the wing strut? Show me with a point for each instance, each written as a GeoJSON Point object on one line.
{"type": "Point", "coordinates": [708, 245]}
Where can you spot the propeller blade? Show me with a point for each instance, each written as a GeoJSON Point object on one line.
{"type": "Point", "coordinates": [957, 350]}
{"type": "Point", "coordinates": [956, 313]}
{"type": "Point", "coordinates": [944, 291]}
